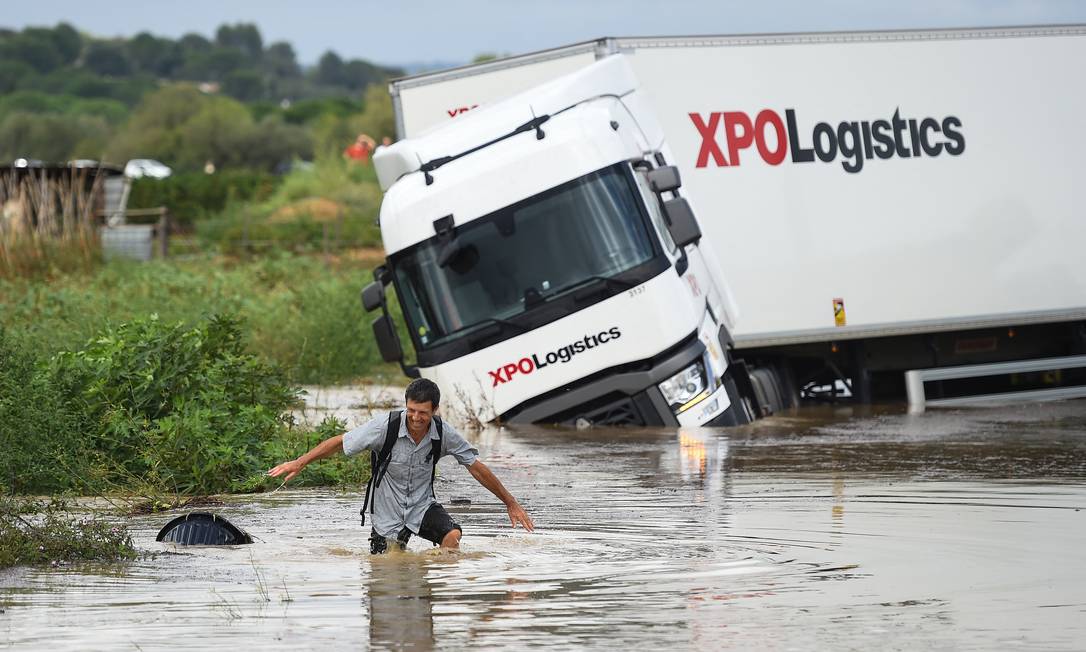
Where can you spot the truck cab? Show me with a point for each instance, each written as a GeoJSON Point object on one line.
{"type": "Point", "coordinates": [549, 267]}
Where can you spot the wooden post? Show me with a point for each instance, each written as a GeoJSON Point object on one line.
{"type": "Point", "coordinates": [164, 233]}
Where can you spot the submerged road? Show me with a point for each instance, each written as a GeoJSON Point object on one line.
{"type": "Point", "coordinates": [830, 529]}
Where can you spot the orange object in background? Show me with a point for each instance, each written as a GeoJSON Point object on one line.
{"type": "Point", "coordinates": [360, 149]}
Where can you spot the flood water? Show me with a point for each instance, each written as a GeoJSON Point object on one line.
{"type": "Point", "coordinates": [829, 529]}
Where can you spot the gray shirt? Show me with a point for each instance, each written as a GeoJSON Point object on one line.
{"type": "Point", "coordinates": [404, 494]}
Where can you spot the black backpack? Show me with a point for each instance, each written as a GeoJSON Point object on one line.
{"type": "Point", "coordinates": [379, 461]}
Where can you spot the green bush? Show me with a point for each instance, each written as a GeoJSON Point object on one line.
{"type": "Point", "coordinates": [333, 204]}
{"type": "Point", "coordinates": [336, 179]}
{"type": "Point", "coordinates": [192, 196]}
{"type": "Point", "coordinates": [337, 471]}
{"type": "Point", "coordinates": [183, 410]}
{"type": "Point", "coordinates": [160, 409]}
{"type": "Point", "coordinates": [42, 436]}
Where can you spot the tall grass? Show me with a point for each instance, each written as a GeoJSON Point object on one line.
{"type": "Point", "coordinates": [302, 313]}
{"type": "Point", "coordinates": [47, 224]}
{"type": "Point", "coordinates": [38, 532]}
{"type": "Point", "coordinates": [335, 204]}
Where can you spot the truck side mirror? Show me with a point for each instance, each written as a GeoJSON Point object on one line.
{"type": "Point", "coordinates": [373, 295]}
{"type": "Point", "coordinates": [664, 179]}
{"type": "Point", "coordinates": [681, 222]}
{"type": "Point", "coordinates": [387, 341]}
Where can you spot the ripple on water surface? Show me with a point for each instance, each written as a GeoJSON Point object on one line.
{"type": "Point", "coordinates": [955, 529]}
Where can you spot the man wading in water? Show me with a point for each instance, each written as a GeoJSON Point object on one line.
{"type": "Point", "coordinates": [403, 467]}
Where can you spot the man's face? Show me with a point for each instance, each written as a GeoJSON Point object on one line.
{"type": "Point", "coordinates": [419, 415]}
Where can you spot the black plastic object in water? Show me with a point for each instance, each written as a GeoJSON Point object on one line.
{"type": "Point", "coordinates": [203, 529]}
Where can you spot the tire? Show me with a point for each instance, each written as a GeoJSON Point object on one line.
{"type": "Point", "coordinates": [773, 388]}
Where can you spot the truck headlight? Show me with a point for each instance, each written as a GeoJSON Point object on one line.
{"type": "Point", "coordinates": [686, 388]}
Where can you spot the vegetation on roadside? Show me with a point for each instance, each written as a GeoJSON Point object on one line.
{"type": "Point", "coordinates": [181, 410]}
{"type": "Point", "coordinates": [194, 196]}
{"type": "Point", "coordinates": [49, 532]}
{"type": "Point", "coordinates": [153, 409]}
{"type": "Point", "coordinates": [333, 205]}
{"type": "Point", "coordinates": [41, 433]}
{"type": "Point", "coordinates": [158, 383]}
{"type": "Point", "coordinates": [303, 313]}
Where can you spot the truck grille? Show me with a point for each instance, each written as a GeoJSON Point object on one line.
{"type": "Point", "coordinates": [610, 410]}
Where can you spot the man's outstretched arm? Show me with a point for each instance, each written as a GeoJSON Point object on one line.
{"type": "Point", "coordinates": [486, 477]}
{"type": "Point", "coordinates": [326, 448]}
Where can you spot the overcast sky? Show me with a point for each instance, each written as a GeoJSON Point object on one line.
{"type": "Point", "coordinates": [401, 32]}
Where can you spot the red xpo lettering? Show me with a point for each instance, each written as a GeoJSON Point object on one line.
{"type": "Point", "coordinates": [460, 110]}
{"type": "Point", "coordinates": [853, 142]}
{"type": "Point", "coordinates": [739, 134]}
{"type": "Point", "coordinates": [770, 119]}
{"type": "Point", "coordinates": [527, 365]}
{"type": "Point", "coordinates": [708, 139]}
{"type": "Point", "coordinates": [505, 373]}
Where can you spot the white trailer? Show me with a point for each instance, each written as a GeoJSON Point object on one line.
{"type": "Point", "coordinates": [866, 204]}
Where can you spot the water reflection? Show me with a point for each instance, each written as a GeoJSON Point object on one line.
{"type": "Point", "coordinates": [399, 601]}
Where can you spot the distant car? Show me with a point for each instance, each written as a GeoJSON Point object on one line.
{"type": "Point", "coordinates": [146, 167]}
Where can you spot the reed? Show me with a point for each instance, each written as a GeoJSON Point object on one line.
{"type": "Point", "coordinates": [48, 222]}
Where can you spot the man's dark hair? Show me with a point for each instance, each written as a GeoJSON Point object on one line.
{"type": "Point", "coordinates": [422, 390]}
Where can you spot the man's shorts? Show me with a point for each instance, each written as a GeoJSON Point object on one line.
{"type": "Point", "coordinates": [436, 523]}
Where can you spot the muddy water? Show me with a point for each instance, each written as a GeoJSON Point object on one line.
{"type": "Point", "coordinates": [826, 530]}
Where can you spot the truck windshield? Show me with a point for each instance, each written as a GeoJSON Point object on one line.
{"type": "Point", "coordinates": [583, 233]}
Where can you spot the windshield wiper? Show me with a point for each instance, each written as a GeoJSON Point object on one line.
{"type": "Point", "coordinates": [493, 327]}
{"type": "Point", "coordinates": [614, 281]}
{"type": "Point", "coordinates": [535, 123]}
{"type": "Point", "coordinates": [532, 298]}
{"type": "Point", "coordinates": [609, 283]}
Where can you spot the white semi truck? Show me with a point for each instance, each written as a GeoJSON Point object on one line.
{"type": "Point", "coordinates": [701, 231]}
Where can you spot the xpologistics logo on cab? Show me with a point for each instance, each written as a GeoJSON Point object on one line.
{"type": "Point", "coordinates": [529, 364]}
{"type": "Point", "coordinates": [856, 142]}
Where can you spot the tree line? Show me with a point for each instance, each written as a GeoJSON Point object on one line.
{"type": "Point", "coordinates": [230, 100]}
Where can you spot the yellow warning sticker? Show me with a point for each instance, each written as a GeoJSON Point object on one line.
{"type": "Point", "coordinates": [839, 312]}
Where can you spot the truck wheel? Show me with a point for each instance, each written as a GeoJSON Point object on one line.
{"type": "Point", "coordinates": [773, 390]}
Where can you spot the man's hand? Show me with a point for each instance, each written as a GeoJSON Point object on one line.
{"type": "Point", "coordinates": [291, 468]}
{"type": "Point", "coordinates": [486, 477]}
{"type": "Point", "coordinates": [326, 448]}
{"type": "Point", "coordinates": [518, 515]}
